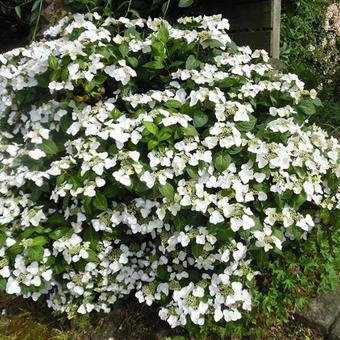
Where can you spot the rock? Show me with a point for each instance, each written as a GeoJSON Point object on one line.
{"type": "Point", "coordinates": [322, 312]}
{"type": "Point", "coordinates": [335, 330]}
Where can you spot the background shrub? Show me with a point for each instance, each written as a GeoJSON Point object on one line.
{"type": "Point", "coordinates": [310, 48]}
{"type": "Point", "coordinates": [165, 162]}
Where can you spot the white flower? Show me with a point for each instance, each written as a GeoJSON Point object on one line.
{"type": "Point", "coordinates": [36, 281]}
{"type": "Point", "coordinates": [122, 177]}
{"type": "Point", "coordinates": [100, 182]}
{"type": "Point", "coordinates": [33, 268]}
{"type": "Point", "coordinates": [225, 256]}
{"type": "Point", "coordinates": [10, 242]}
{"type": "Point", "coordinates": [183, 239]}
{"type": "Point", "coordinates": [90, 191]}
{"type": "Point", "coordinates": [198, 292]}
{"type": "Point", "coordinates": [216, 217]}
{"type": "Point", "coordinates": [12, 286]}
{"type": "Point", "coordinates": [262, 196]}
{"type": "Point", "coordinates": [240, 252]}
{"type": "Point", "coordinates": [47, 275]}
{"type": "Point", "coordinates": [81, 309]}
{"type": "Point", "coordinates": [36, 154]}
{"type": "Point", "coordinates": [5, 272]}
{"type": "Point", "coordinates": [122, 74]}
{"type": "Point", "coordinates": [73, 69]}
{"type": "Point", "coordinates": [309, 189]}
{"type": "Point", "coordinates": [218, 314]}
{"type": "Point", "coordinates": [148, 178]}
{"type": "Point", "coordinates": [247, 222]}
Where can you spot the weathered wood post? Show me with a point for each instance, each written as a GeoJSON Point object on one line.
{"type": "Point", "coordinates": [275, 23]}
{"type": "Point", "coordinates": [255, 23]}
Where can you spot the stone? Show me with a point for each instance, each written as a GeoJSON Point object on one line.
{"type": "Point", "coordinates": [322, 312]}
{"type": "Point", "coordinates": [335, 330]}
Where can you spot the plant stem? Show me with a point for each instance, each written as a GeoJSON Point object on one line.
{"type": "Point", "coordinates": [37, 22]}
{"type": "Point", "coordinates": [166, 8]}
{"type": "Point", "coordinates": [128, 9]}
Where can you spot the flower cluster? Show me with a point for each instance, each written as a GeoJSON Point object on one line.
{"type": "Point", "coordinates": [330, 43]}
{"type": "Point", "coordinates": [140, 157]}
{"type": "Point", "coordinates": [332, 22]}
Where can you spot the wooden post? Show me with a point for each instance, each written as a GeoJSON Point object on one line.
{"type": "Point", "coordinates": [275, 24]}
{"type": "Point", "coordinates": [255, 23]}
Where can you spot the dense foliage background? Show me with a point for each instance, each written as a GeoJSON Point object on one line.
{"type": "Point", "coordinates": [310, 40]}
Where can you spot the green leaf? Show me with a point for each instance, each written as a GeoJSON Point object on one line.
{"type": "Point", "coordinates": [307, 107]}
{"type": "Point", "coordinates": [139, 186]}
{"type": "Point", "coordinates": [262, 259]}
{"type": "Point", "coordinates": [41, 230]}
{"type": "Point", "coordinates": [151, 127]}
{"type": "Point", "coordinates": [2, 239]}
{"type": "Point", "coordinates": [58, 233]}
{"type": "Point", "coordinates": [228, 83]}
{"type": "Point", "coordinates": [53, 62]}
{"type": "Point", "coordinates": [247, 126]}
{"type": "Point", "coordinates": [173, 104]}
{"type": "Point", "coordinates": [100, 202]}
{"type": "Point", "coordinates": [163, 33]}
{"type": "Point", "coordinates": [167, 191]}
{"type": "Point", "coordinates": [152, 144]}
{"type": "Point", "coordinates": [192, 62]}
{"type": "Point", "coordinates": [191, 171]}
{"type": "Point", "coordinates": [49, 147]}
{"type": "Point", "coordinates": [163, 273]}
{"type": "Point", "coordinates": [124, 49]}
{"type": "Point", "coordinates": [64, 74]}
{"type": "Point", "coordinates": [133, 61]}
{"type": "Point", "coordinates": [279, 234]}
{"type": "Point", "coordinates": [221, 160]}
{"type": "Point", "coordinates": [317, 102]}
{"type": "Point", "coordinates": [14, 250]}
{"type": "Point", "coordinates": [325, 216]}
{"type": "Point", "coordinates": [36, 253]}
{"type": "Point", "coordinates": [35, 6]}
{"type": "Point", "coordinates": [50, 261]}
{"type": "Point", "coordinates": [190, 131]}
{"type": "Point", "coordinates": [39, 241]}
{"type": "Point", "coordinates": [212, 43]}
{"type": "Point", "coordinates": [158, 49]}
{"type": "Point", "coordinates": [235, 150]}
{"type": "Point", "coordinates": [18, 11]}
{"type": "Point", "coordinates": [185, 3]}
{"type": "Point", "coordinates": [223, 233]}
{"type": "Point", "coordinates": [156, 65]}
{"type": "Point", "coordinates": [56, 220]}
{"type": "Point", "coordinates": [196, 249]}
{"type": "Point", "coordinates": [200, 119]}
{"type": "Point", "coordinates": [92, 256]}
{"type": "Point", "coordinates": [279, 201]}
{"type": "Point", "coordinates": [163, 135]}
{"type": "Point", "coordinates": [3, 283]}
{"type": "Point", "coordinates": [299, 200]}
{"type": "Point", "coordinates": [91, 236]}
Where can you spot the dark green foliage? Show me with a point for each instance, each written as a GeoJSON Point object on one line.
{"type": "Point", "coordinates": [306, 50]}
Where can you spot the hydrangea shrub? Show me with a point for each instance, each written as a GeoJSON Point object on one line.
{"type": "Point", "coordinates": [139, 157]}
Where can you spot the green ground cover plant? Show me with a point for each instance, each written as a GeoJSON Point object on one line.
{"type": "Point", "coordinates": [161, 161]}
